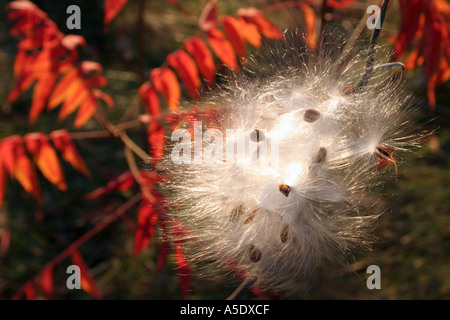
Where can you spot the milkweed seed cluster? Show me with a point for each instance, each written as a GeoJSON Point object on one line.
{"type": "Point", "coordinates": [277, 224]}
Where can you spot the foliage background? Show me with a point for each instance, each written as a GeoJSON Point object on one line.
{"type": "Point", "coordinates": [414, 233]}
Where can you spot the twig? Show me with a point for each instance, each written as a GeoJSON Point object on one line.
{"type": "Point", "coordinates": [120, 211]}
{"type": "Point", "coordinates": [233, 295]}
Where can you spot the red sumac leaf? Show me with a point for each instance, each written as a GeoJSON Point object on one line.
{"type": "Point", "coordinates": [86, 111]}
{"type": "Point", "coordinates": [250, 32]}
{"type": "Point", "coordinates": [45, 158]}
{"type": "Point", "coordinates": [222, 48]}
{"type": "Point", "coordinates": [184, 271]}
{"type": "Point", "coordinates": [112, 8]}
{"type": "Point", "coordinates": [166, 83]}
{"type": "Point", "coordinates": [63, 142]}
{"type": "Point", "coordinates": [46, 282]}
{"type": "Point", "coordinates": [266, 27]}
{"type": "Point", "coordinates": [30, 294]}
{"type": "Point", "coordinates": [187, 70]}
{"type": "Point", "coordinates": [156, 140]}
{"type": "Point", "coordinates": [150, 97]}
{"type": "Point", "coordinates": [233, 29]}
{"type": "Point", "coordinates": [203, 56]}
{"type": "Point", "coordinates": [147, 219]}
{"type": "Point", "coordinates": [208, 18]}
{"type": "Point", "coordinates": [87, 282]}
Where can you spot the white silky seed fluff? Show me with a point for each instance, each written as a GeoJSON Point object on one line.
{"type": "Point", "coordinates": [277, 225]}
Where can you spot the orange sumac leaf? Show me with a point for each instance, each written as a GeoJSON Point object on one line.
{"type": "Point", "coordinates": [150, 97]}
{"type": "Point", "coordinates": [266, 27]}
{"type": "Point", "coordinates": [187, 70]}
{"type": "Point", "coordinates": [147, 219]}
{"type": "Point", "coordinates": [156, 140]}
{"type": "Point", "coordinates": [233, 29]}
{"type": "Point", "coordinates": [208, 18]}
{"type": "Point", "coordinates": [124, 182]}
{"type": "Point", "coordinates": [65, 85]}
{"type": "Point", "coordinates": [87, 282]}
{"type": "Point", "coordinates": [87, 109]}
{"type": "Point", "coordinates": [45, 158]}
{"type": "Point", "coordinates": [112, 8]}
{"type": "Point", "coordinates": [63, 142]}
{"type": "Point", "coordinates": [222, 48]}
{"type": "Point", "coordinates": [73, 101]}
{"type": "Point", "coordinates": [3, 178]}
{"type": "Point", "coordinates": [30, 294]}
{"type": "Point", "coordinates": [24, 171]}
{"type": "Point", "coordinates": [41, 93]}
{"type": "Point", "coordinates": [184, 271]}
{"type": "Point", "coordinates": [46, 282]}
{"type": "Point", "coordinates": [310, 21]}
{"type": "Point", "coordinates": [166, 83]}
{"type": "Point", "coordinates": [250, 32]}
{"type": "Point", "coordinates": [203, 56]}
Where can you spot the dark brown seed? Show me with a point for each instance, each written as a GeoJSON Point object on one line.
{"type": "Point", "coordinates": [321, 155]}
{"type": "Point", "coordinates": [237, 212]}
{"type": "Point", "coordinates": [251, 216]}
{"type": "Point", "coordinates": [284, 189]}
{"type": "Point", "coordinates": [255, 253]}
{"type": "Point", "coordinates": [284, 233]}
{"type": "Point", "coordinates": [311, 115]}
{"type": "Point", "coordinates": [257, 135]}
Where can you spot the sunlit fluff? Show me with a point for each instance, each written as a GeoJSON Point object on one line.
{"type": "Point", "coordinates": [275, 225]}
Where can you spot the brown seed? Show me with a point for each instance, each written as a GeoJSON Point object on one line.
{"type": "Point", "coordinates": [255, 253]}
{"type": "Point", "coordinates": [311, 115]}
{"type": "Point", "coordinates": [237, 212]}
{"type": "Point", "coordinates": [251, 216]}
{"type": "Point", "coordinates": [384, 152]}
{"type": "Point", "coordinates": [284, 233]}
{"type": "Point", "coordinates": [284, 189]}
{"type": "Point", "coordinates": [321, 155]}
{"type": "Point", "coordinates": [257, 135]}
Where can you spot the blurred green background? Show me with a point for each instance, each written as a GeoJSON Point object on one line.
{"type": "Point", "coordinates": [414, 233]}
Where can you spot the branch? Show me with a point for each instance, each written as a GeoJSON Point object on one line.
{"type": "Point", "coordinates": [120, 211]}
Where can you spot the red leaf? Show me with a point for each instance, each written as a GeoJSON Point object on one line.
{"type": "Point", "coordinates": [166, 83]}
{"type": "Point", "coordinates": [46, 282]}
{"type": "Point", "coordinates": [147, 219]}
{"type": "Point", "coordinates": [67, 84]}
{"type": "Point", "coordinates": [150, 97]}
{"type": "Point", "coordinates": [266, 27]}
{"type": "Point", "coordinates": [156, 140]}
{"type": "Point", "coordinates": [3, 179]}
{"type": "Point", "coordinates": [45, 158]}
{"type": "Point", "coordinates": [310, 21]}
{"type": "Point", "coordinates": [73, 101]}
{"type": "Point", "coordinates": [203, 56]}
{"type": "Point", "coordinates": [410, 13]}
{"type": "Point", "coordinates": [124, 182]}
{"type": "Point", "coordinates": [87, 282]}
{"type": "Point", "coordinates": [233, 29]}
{"type": "Point", "coordinates": [222, 48]}
{"type": "Point", "coordinates": [41, 93]}
{"type": "Point", "coordinates": [163, 255]}
{"type": "Point", "coordinates": [87, 110]}
{"type": "Point", "coordinates": [112, 8]}
{"type": "Point", "coordinates": [29, 291]}
{"type": "Point", "coordinates": [208, 18]}
{"type": "Point", "coordinates": [16, 162]}
{"type": "Point", "coordinates": [187, 70]}
{"type": "Point", "coordinates": [339, 4]}
{"type": "Point", "coordinates": [184, 271]}
{"type": "Point", "coordinates": [63, 142]}
{"type": "Point", "coordinates": [5, 240]}
{"type": "Point", "coordinates": [250, 32]}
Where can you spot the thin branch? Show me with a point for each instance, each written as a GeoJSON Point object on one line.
{"type": "Point", "coordinates": [117, 213]}
{"type": "Point", "coordinates": [238, 290]}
